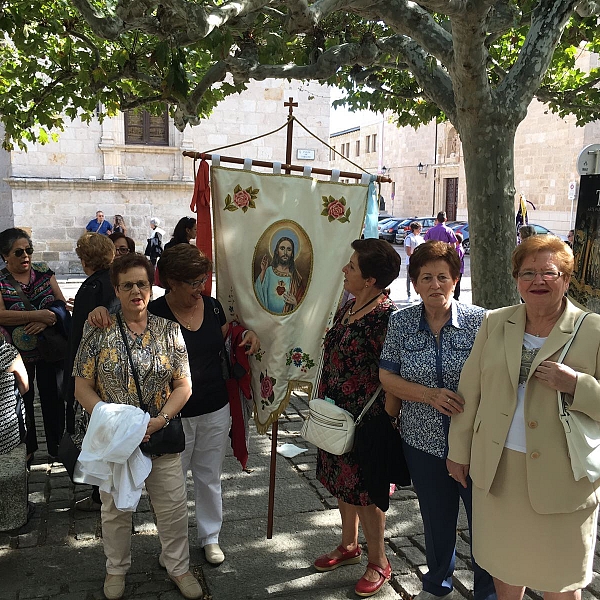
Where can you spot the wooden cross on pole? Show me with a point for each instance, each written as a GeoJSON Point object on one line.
{"type": "Point", "coordinates": [290, 132]}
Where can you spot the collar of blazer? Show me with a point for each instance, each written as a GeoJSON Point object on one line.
{"type": "Point", "coordinates": [514, 329]}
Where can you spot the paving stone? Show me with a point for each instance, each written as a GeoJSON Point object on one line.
{"type": "Point", "coordinates": [463, 580]}
{"type": "Point", "coordinates": [28, 540]}
{"type": "Point", "coordinates": [35, 592]}
{"type": "Point", "coordinates": [413, 555]}
{"type": "Point", "coordinates": [408, 585]}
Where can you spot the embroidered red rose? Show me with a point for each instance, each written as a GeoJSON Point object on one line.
{"type": "Point", "coordinates": [242, 198]}
{"type": "Point", "coordinates": [336, 209]}
{"type": "Point", "coordinates": [266, 387]}
{"type": "Point", "coordinates": [349, 386]}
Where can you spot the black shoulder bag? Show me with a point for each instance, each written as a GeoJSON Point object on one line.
{"type": "Point", "coordinates": [171, 438]}
{"type": "Point", "coordinates": [51, 344]}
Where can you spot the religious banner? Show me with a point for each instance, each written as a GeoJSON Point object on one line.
{"type": "Point", "coordinates": [280, 244]}
{"type": "Point", "coordinates": [585, 283]}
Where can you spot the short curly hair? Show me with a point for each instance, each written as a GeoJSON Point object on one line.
{"type": "Point", "coordinates": [431, 251]}
{"type": "Point", "coordinates": [96, 250]}
{"type": "Point", "coordinates": [377, 259]}
{"type": "Point", "coordinates": [182, 262]}
{"type": "Point", "coordinates": [130, 261]}
{"type": "Point", "coordinates": [543, 243]}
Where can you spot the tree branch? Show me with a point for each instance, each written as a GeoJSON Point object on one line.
{"type": "Point", "coordinates": [525, 77]}
{"type": "Point", "coordinates": [109, 28]}
{"type": "Point", "coordinates": [588, 8]}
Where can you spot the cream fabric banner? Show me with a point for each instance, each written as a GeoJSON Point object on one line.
{"type": "Point", "coordinates": [280, 244]}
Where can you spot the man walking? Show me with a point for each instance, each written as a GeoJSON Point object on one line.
{"type": "Point", "coordinates": [99, 225]}
{"type": "Point", "coordinates": [441, 232]}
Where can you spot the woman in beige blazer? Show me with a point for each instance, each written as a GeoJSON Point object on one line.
{"type": "Point", "coordinates": [533, 524]}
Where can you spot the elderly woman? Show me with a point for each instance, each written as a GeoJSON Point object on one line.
{"type": "Point", "coordinates": [21, 327]}
{"type": "Point", "coordinates": [424, 352]}
{"type": "Point", "coordinates": [96, 253]}
{"type": "Point", "coordinates": [103, 373]}
{"type": "Point", "coordinates": [350, 377]}
{"type": "Point", "coordinates": [533, 524]}
{"type": "Point", "coordinates": [184, 232]}
{"type": "Point", "coordinates": [206, 416]}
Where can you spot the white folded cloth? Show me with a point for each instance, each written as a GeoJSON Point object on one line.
{"type": "Point", "coordinates": [110, 455]}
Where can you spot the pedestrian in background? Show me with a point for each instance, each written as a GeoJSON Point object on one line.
{"type": "Point", "coordinates": [526, 231]}
{"type": "Point", "coordinates": [119, 225]}
{"type": "Point", "coordinates": [412, 240]}
{"type": "Point", "coordinates": [184, 232]}
{"type": "Point", "coordinates": [99, 224]}
{"type": "Point", "coordinates": [154, 248]}
{"type": "Point", "coordinates": [461, 254]}
{"type": "Point", "coordinates": [441, 232]}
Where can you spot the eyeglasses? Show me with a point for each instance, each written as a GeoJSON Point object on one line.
{"type": "Point", "coordinates": [198, 282]}
{"type": "Point", "coordinates": [127, 286]}
{"type": "Point", "coordinates": [123, 250]}
{"type": "Point", "coordinates": [20, 251]}
{"type": "Point", "coordinates": [545, 275]}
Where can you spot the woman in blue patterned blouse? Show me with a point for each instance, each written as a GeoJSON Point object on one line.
{"type": "Point", "coordinates": [424, 352]}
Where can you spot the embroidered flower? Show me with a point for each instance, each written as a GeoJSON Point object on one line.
{"type": "Point", "coordinates": [242, 198]}
{"type": "Point", "coordinates": [335, 209]}
{"type": "Point", "coordinates": [266, 389]}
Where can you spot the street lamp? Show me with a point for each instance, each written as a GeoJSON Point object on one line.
{"type": "Point", "coordinates": [421, 167]}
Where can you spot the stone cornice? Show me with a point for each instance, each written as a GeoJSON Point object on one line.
{"type": "Point", "coordinates": [46, 183]}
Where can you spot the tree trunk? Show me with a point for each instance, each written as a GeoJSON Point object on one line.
{"type": "Point", "coordinates": [488, 146]}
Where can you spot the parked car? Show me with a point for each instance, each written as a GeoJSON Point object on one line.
{"type": "Point", "coordinates": [541, 230]}
{"type": "Point", "coordinates": [389, 229]}
{"type": "Point", "coordinates": [426, 224]}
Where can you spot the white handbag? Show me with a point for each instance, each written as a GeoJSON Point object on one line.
{"type": "Point", "coordinates": [330, 427]}
{"type": "Point", "coordinates": [582, 432]}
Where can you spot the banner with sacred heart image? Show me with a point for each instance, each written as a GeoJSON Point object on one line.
{"type": "Point", "coordinates": [280, 244]}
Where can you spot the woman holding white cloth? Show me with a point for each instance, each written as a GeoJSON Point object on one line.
{"type": "Point", "coordinates": [103, 373]}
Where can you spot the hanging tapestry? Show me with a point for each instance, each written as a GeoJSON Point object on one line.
{"type": "Point", "coordinates": [280, 244]}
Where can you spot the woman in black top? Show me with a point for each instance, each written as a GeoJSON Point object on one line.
{"type": "Point", "coordinates": [206, 416]}
{"type": "Point", "coordinates": [184, 231]}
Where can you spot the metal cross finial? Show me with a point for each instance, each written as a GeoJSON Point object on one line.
{"type": "Point", "coordinates": [291, 105]}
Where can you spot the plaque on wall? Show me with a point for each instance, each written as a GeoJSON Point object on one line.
{"type": "Point", "coordinates": [305, 154]}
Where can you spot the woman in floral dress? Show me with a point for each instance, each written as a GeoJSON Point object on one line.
{"type": "Point", "coordinates": [350, 377]}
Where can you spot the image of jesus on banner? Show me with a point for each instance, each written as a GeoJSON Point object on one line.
{"type": "Point", "coordinates": [279, 284]}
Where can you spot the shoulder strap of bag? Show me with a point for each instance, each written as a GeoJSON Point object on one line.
{"type": "Point", "coordinates": [368, 405]}
{"type": "Point", "coordinates": [18, 289]}
{"type": "Point", "coordinates": [561, 403]}
{"type": "Point", "coordinates": [133, 369]}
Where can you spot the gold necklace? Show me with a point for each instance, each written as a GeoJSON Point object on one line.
{"type": "Point", "coordinates": [351, 312]}
{"type": "Point", "coordinates": [178, 317]}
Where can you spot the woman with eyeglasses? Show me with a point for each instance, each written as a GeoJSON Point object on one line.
{"type": "Point", "coordinates": [103, 373]}
{"type": "Point", "coordinates": [123, 244]}
{"type": "Point", "coordinates": [533, 524]}
{"type": "Point", "coordinates": [206, 416]}
{"type": "Point", "coordinates": [184, 270]}
{"type": "Point", "coordinates": [21, 327]}
{"type": "Point", "coordinates": [423, 355]}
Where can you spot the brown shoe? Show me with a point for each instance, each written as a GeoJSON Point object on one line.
{"type": "Point", "coordinates": [188, 586]}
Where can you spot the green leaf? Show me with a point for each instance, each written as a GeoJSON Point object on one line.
{"type": "Point", "coordinates": [237, 188]}
{"type": "Point", "coordinates": [324, 213]}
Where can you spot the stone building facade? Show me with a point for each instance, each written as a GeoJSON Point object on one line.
{"type": "Point", "coordinates": [426, 165]}
{"type": "Point", "coordinates": [53, 190]}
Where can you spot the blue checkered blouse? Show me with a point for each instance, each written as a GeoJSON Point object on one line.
{"type": "Point", "coordinates": [410, 351]}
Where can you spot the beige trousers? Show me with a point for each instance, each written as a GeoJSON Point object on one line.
{"type": "Point", "coordinates": [166, 487]}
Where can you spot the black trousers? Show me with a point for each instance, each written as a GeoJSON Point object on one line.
{"type": "Point", "coordinates": [457, 287]}
{"type": "Point", "coordinates": [48, 377]}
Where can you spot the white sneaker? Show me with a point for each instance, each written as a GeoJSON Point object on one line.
{"type": "Point", "coordinates": [214, 554]}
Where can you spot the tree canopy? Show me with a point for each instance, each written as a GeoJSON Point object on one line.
{"type": "Point", "coordinates": [477, 63]}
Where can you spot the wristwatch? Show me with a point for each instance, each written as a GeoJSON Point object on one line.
{"type": "Point", "coordinates": [395, 421]}
{"type": "Point", "coordinates": [166, 417]}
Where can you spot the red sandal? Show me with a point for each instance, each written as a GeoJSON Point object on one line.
{"type": "Point", "coordinates": [366, 588]}
{"type": "Point", "coordinates": [349, 557]}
